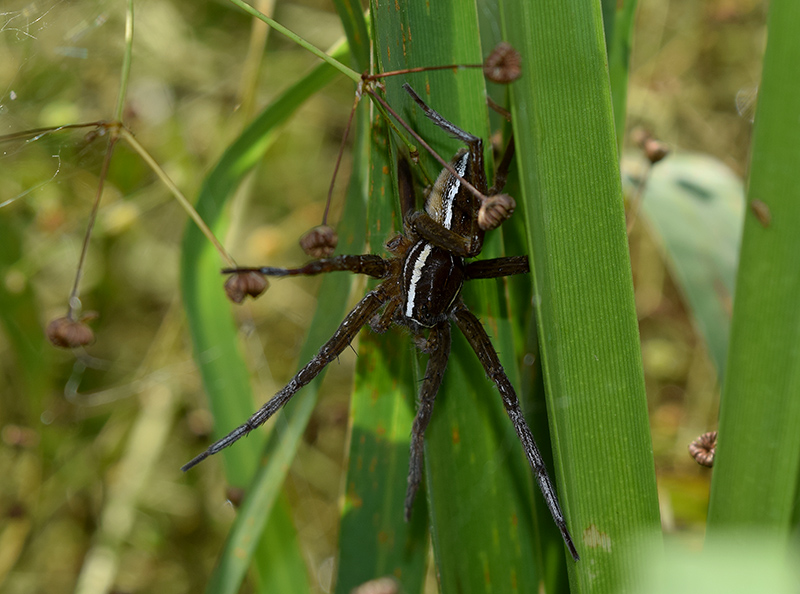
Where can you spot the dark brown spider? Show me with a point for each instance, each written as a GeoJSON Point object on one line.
{"type": "Point", "coordinates": [421, 290]}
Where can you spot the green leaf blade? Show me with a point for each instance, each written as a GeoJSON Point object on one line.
{"type": "Point", "coordinates": [588, 332]}
{"type": "Point", "coordinates": [758, 457]}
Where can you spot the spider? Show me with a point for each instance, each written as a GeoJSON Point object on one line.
{"type": "Point", "coordinates": [421, 290]}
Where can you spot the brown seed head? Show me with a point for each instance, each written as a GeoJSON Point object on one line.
{"type": "Point", "coordinates": [67, 333]}
{"type": "Point", "coordinates": [503, 65]}
{"type": "Point", "coordinates": [655, 150]}
{"type": "Point", "coordinates": [235, 495]}
{"type": "Point", "coordinates": [319, 242]}
{"type": "Point", "coordinates": [241, 284]}
{"type": "Point", "coordinates": [703, 448]}
{"type": "Point", "coordinates": [495, 210]}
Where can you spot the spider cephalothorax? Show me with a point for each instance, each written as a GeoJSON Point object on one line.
{"type": "Point", "coordinates": [421, 290]}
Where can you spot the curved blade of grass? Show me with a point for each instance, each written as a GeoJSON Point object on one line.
{"type": "Point", "coordinates": [374, 539]}
{"type": "Point", "coordinates": [214, 334]}
{"type": "Point", "coordinates": [695, 205]}
{"type": "Point", "coordinates": [284, 440]}
{"type": "Point", "coordinates": [588, 334]}
{"type": "Point", "coordinates": [478, 482]}
{"type": "Point", "coordinates": [754, 485]}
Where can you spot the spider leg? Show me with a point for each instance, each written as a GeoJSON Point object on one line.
{"type": "Point", "coordinates": [474, 143]}
{"type": "Point", "coordinates": [355, 320]}
{"type": "Point", "coordinates": [479, 340]}
{"type": "Point", "coordinates": [497, 267]}
{"type": "Point", "coordinates": [368, 264]}
{"type": "Point", "coordinates": [439, 343]}
{"type": "Point", "coordinates": [469, 139]}
{"type": "Point", "coordinates": [501, 175]}
{"type": "Point", "coordinates": [380, 322]}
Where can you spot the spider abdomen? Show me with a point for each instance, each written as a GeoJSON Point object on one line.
{"type": "Point", "coordinates": [432, 281]}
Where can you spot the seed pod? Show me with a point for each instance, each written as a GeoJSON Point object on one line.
{"type": "Point", "coordinates": [241, 284]}
{"type": "Point", "coordinates": [503, 65]}
{"type": "Point", "coordinates": [495, 210]}
{"type": "Point", "coordinates": [655, 150]}
{"type": "Point", "coordinates": [319, 242]}
{"type": "Point", "coordinates": [235, 495]}
{"type": "Point", "coordinates": [67, 333]}
{"type": "Point", "coordinates": [703, 448]}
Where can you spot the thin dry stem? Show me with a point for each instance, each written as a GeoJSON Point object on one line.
{"type": "Point", "coordinates": [74, 301]}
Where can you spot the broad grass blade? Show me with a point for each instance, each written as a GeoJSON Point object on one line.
{"type": "Point", "coordinates": [583, 290]}
{"type": "Point", "coordinates": [754, 484]}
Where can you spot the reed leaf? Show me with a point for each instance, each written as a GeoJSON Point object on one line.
{"type": "Point", "coordinates": [754, 485]}
{"type": "Point", "coordinates": [567, 157]}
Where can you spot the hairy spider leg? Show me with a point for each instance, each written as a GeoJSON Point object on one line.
{"type": "Point", "coordinates": [482, 345]}
{"type": "Point", "coordinates": [382, 322]}
{"type": "Point", "coordinates": [355, 320]}
{"type": "Point", "coordinates": [474, 143]}
{"type": "Point", "coordinates": [439, 341]}
{"type": "Point", "coordinates": [469, 139]}
{"type": "Point", "coordinates": [497, 267]}
{"type": "Point", "coordinates": [368, 264]}
{"type": "Point", "coordinates": [501, 175]}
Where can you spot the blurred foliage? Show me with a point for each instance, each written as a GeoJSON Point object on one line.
{"type": "Point", "coordinates": [66, 423]}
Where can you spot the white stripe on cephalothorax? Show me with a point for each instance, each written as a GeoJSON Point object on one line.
{"type": "Point", "coordinates": [452, 191]}
{"type": "Point", "coordinates": [419, 263]}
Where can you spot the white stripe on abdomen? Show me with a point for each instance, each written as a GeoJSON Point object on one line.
{"type": "Point", "coordinates": [416, 274]}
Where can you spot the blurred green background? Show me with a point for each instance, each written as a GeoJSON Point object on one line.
{"type": "Point", "coordinates": [71, 426]}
